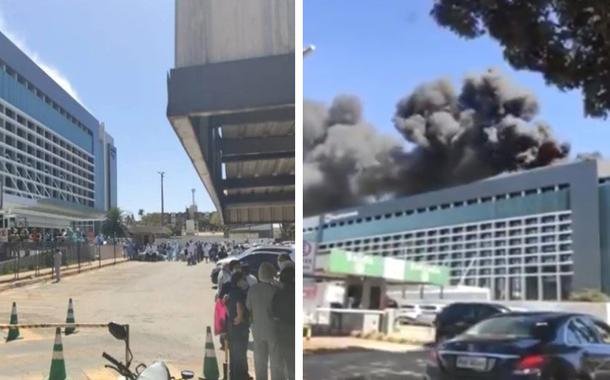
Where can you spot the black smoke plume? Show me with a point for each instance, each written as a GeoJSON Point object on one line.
{"type": "Point", "coordinates": [486, 129]}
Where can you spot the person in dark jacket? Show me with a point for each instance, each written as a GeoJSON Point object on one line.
{"type": "Point", "coordinates": [238, 325]}
{"type": "Point", "coordinates": [282, 310]}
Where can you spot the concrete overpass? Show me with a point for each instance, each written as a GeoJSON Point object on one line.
{"type": "Point", "coordinates": [231, 104]}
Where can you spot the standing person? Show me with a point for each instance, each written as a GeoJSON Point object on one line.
{"type": "Point", "coordinates": [282, 310]}
{"type": "Point", "coordinates": [238, 327]}
{"type": "Point", "coordinates": [57, 264]}
{"type": "Point", "coordinates": [224, 276]}
{"type": "Point", "coordinates": [284, 260]}
{"type": "Point", "coordinates": [258, 302]}
{"type": "Point", "coordinates": [192, 253]}
{"type": "Point", "coordinates": [222, 252]}
{"type": "Point", "coordinates": [214, 252]}
{"type": "Point", "coordinates": [250, 278]}
{"type": "Point", "coordinates": [206, 252]}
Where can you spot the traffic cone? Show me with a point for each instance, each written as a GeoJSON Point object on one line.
{"type": "Point", "coordinates": [210, 364]}
{"type": "Point", "coordinates": [58, 366]}
{"type": "Point", "coordinates": [70, 319]}
{"type": "Point", "coordinates": [13, 333]}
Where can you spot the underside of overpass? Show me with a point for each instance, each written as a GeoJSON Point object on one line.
{"type": "Point", "coordinates": [232, 105]}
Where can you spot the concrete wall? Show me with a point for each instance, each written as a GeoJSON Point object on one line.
{"type": "Point", "coordinates": [210, 31]}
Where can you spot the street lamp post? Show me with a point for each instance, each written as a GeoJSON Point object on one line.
{"type": "Point", "coordinates": [162, 174]}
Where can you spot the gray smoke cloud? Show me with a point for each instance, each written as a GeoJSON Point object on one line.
{"type": "Point", "coordinates": [486, 129]}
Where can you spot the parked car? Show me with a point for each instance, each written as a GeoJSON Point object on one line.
{"type": "Point", "coordinates": [249, 251]}
{"type": "Point", "coordinates": [458, 317]}
{"type": "Point", "coordinates": [252, 260]}
{"type": "Point", "coordinates": [526, 346]}
{"type": "Point", "coordinates": [428, 313]}
{"type": "Point", "coordinates": [408, 311]}
{"type": "Point", "coordinates": [150, 256]}
{"type": "Point", "coordinates": [417, 314]}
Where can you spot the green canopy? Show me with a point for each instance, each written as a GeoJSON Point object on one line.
{"type": "Point", "coordinates": [389, 268]}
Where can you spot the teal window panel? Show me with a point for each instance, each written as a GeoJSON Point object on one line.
{"type": "Point", "coordinates": [309, 236]}
{"type": "Point", "coordinates": [513, 207]}
{"type": "Point", "coordinates": [604, 225]}
{"type": "Point", "coordinates": [15, 93]}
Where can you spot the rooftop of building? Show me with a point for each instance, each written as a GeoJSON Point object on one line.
{"type": "Point", "coordinates": [456, 193]}
{"type": "Point", "coordinates": [14, 57]}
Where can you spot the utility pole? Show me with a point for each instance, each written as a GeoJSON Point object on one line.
{"type": "Point", "coordinates": [162, 174]}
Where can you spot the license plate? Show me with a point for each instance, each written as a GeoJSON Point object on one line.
{"type": "Point", "coordinates": [471, 362]}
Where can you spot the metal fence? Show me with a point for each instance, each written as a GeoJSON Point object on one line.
{"type": "Point", "coordinates": [34, 257]}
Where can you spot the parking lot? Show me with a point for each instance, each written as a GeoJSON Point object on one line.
{"type": "Point", "coordinates": [168, 306]}
{"type": "Point", "coordinates": [362, 364]}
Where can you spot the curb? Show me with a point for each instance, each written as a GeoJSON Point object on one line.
{"type": "Point", "coordinates": [48, 278]}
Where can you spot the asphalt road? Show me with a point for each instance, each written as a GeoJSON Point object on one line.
{"type": "Point", "coordinates": [365, 365]}
{"type": "Point", "coordinates": [167, 305]}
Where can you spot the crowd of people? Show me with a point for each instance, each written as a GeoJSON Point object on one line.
{"type": "Point", "coordinates": [191, 251]}
{"type": "Point", "coordinates": [263, 306]}
{"type": "Point", "coordinates": [37, 235]}
{"type": "Point", "coordinates": [260, 303]}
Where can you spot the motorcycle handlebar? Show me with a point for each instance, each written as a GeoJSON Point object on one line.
{"type": "Point", "coordinates": [122, 369]}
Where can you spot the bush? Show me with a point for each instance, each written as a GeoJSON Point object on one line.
{"type": "Point", "coordinates": [589, 295]}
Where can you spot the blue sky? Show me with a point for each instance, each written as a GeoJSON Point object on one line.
{"type": "Point", "coordinates": [381, 50]}
{"type": "Point", "coordinates": [115, 55]}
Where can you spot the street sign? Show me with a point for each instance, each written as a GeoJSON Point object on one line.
{"type": "Point", "coordinates": [310, 291]}
{"type": "Point", "coordinates": [309, 257]}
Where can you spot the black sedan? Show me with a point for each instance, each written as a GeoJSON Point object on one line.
{"type": "Point", "coordinates": [526, 346]}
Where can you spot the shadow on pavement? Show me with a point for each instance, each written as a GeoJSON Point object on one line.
{"type": "Point", "coordinates": [365, 365]}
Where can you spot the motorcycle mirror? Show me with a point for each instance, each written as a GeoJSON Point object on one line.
{"type": "Point", "coordinates": [117, 331]}
{"type": "Point", "coordinates": [187, 374]}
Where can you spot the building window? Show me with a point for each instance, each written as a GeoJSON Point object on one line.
{"type": "Point", "coordinates": [549, 288]}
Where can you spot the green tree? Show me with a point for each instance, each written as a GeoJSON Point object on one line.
{"type": "Point", "coordinates": [113, 225]}
{"type": "Point", "coordinates": [215, 220]}
{"type": "Point", "coordinates": [566, 40]}
{"type": "Point", "coordinates": [151, 219]}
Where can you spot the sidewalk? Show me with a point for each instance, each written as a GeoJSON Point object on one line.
{"type": "Point", "coordinates": [345, 344]}
{"type": "Point", "coordinates": [8, 281]}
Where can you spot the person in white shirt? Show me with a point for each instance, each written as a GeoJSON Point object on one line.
{"type": "Point", "coordinates": [206, 252]}
{"type": "Point", "coordinates": [250, 278]}
{"type": "Point", "coordinates": [224, 276]}
{"type": "Point", "coordinates": [266, 348]}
